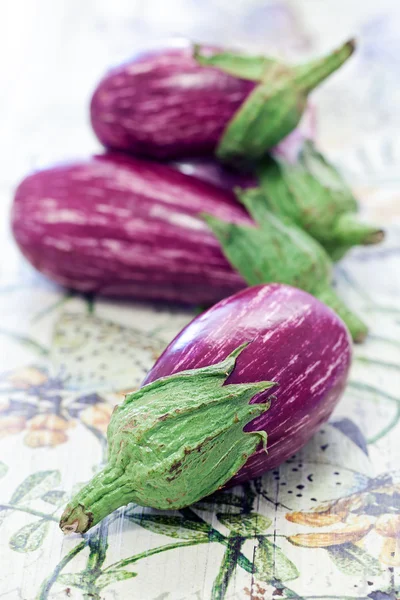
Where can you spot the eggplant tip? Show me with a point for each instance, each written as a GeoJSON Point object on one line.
{"type": "Point", "coordinates": [75, 520]}
{"type": "Point", "coordinates": [351, 44]}
{"type": "Point", "coordinates": [375, 237]}
{"type": "Point", "coordinates": [359, 338]}
{"type": "Point", "coordinates": [69, 528]}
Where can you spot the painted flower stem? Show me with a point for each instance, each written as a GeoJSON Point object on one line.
{"type": "Point", "coordinates": [98, 544]}
{"type": "Point", "coordinates": [31, 511]}
{"type": "Point", "coordinates": [52, 578]}
{"type": "Point", "coordinates": [378, 363]}
{"type": "Point", "coordinates": [228, 566]}
{"type": "Point", "coordinates": [215, 536]}
{"type": "Point", "coordinates": [395, 420]}
{"type": "Point", "coordinates": [385, 340]}
{"type": "Point", "coordinates": [133, 559]}
{"type": "Point", "coordinates": [387, 429]}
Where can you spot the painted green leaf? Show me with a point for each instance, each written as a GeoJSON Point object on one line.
{"type": "Point", "coordinates": [26, 341]}
{"type": "Point", "coordinates": [112, 576]}
{"type": "Point", "coordinates": [219, 499]}
{"type": "Point", "coordinates": [384, 421]}
{"type": "Point", "coordinates": [55, 497]}
{"type": "Point", "coordinates": [227, 567]}
{"type": "Point", "coordinates": [30, 537]}
{"type": "Point", "coordinates": [73, 579]}
{"type": "Point", "coordinates": [271, 563]}
{"type": "Point", "coordinates": [35, 485]}
{"type": "Point", "coordinates": [245, 525]}
{"type": "Point", "coordinates": [175, 527]}
{"type": "Point", "coordinates": [352, 560]}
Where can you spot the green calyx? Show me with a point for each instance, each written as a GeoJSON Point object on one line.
{"type": "Point", "coordinates": [172, 443]}
{"type": "Point", "coordinates": [312, 193]}
{"type": "Point", "coordinates": [253, 68]}
{"type": "Point", "coordinates": [275, 106]}
{"type": "Point", "coordinates": [279, 251]}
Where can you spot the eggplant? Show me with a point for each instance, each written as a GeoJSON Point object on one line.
{"type": "Point", "coordinates": [124, 227]}
{"type": "Point", "coordinates": [261, 370]}
{"type": "Point", "coordinates": [165, 105]}
{"type": "Point", "coordinates": [193, 102]}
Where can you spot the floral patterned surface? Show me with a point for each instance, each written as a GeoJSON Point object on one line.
{"type": "Point", "coordinates": [326, 524]}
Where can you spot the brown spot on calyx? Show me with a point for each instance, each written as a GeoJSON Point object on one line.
{"type": "Point", "coordinates": [175, 466]}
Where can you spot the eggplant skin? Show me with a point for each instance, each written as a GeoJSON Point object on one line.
{"type": "Point", "coordinates": [124, 227]}
{"type": "Point", "coordinates": [165, 105]}
{"type": "Point", "coordinates": [295, 340]}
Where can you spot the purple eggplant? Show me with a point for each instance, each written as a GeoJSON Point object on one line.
{"type": "Point", "coordinates": [165, 104]}
{"type": "Point", "coordinates": [180, 102]}
{"type": "Point", "coordinates": [238, 391]}
{"type": "Point", "coordinates": [295, 340]}
{"type": "Point", "coordinates": [124, 227]}
{"type": "Point", "coordinates": [120, 226]}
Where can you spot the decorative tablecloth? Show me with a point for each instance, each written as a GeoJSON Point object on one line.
{"type": "Point", "coordinates": [66, 360]}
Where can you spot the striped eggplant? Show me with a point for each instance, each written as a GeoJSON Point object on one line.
{"type": "Point", "coordinates": [261, 370]}
{"type": "Point", "coordinates": [180, 102]}
{"type": "Point", "coordinates": [124, 227]}
{"type": "Point", "coordinates": [120, 226]}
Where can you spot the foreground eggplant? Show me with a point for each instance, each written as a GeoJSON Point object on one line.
{"type": "Point", "coordinates": [124, 227]}
{"type": "Point", "coordinates": [260, 370]}
{"type": "Point", "coordinates": [179, 102]}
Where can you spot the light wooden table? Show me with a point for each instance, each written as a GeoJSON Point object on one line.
{"type": "Point", "coordinates": [258, 541]}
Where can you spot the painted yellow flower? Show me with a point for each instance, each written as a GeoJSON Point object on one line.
{"type": "Point", "coordinates": [11, 424]}
{"type": "Point", "coordinates": [97, 416]}
{"type": "Point", "coordinates": [27, 377]}
{"type": "Point", "coordinates": [38, 404]}
{"type": "Point", "coordinates": [350, 532]}
{"type": "Point", "coordinates": [47, 430]}
{"type": "Point", "coordinates": [350, 519]}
